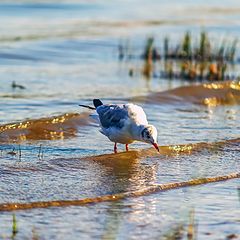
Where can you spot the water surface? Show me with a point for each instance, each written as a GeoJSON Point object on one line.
{"type": "Point", "coordinates": [66, 53]}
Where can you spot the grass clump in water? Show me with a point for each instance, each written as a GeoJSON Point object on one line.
{"type": "Point", "coordinates": [14, 226]}
{"type": "Point", "coordinates": [187, 59]}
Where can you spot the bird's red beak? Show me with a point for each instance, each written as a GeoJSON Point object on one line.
{"type": "Point", "coordinates": [156, 146]}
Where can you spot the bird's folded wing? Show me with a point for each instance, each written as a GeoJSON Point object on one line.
{"type": "Point", "coordinates": [112, 115]}
{"type": "Point", "coordinates": [136, 114]}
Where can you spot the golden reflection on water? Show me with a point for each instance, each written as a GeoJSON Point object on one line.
{"type": "Point", "coordinates": [235, 85]}
{"type": "Point", "coordinates": [229, 94]}
{"type": "Point", "coordinates": [222, 85]}
{"type": "Point", "coordinates": [127, 175]}
{"type": "Point", "coordinates": [126, 169]}
{"type": "Point", "coordinates": [210, 94]}
{"type": "Point", "coordinates": [211, 102]}
{"type": "Point", "coordinates": [214, 85]}
{"type": "Point", "coordinates": [53, 128]}
{"type": "Point", "coordinates": [181, 148]}
{"type": "Point", "coordinates": [67, 125]}
{"type": "Point", "coordinates": [228, 99]}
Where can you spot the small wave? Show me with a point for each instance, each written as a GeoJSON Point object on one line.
{"type": "Point", "coordinates": [122, 158]}
{"type": "Point", "coordinates": [67, 125]}
{"type": "Point", "coordinates": [210, 94]}
{"type": "Point", "coordinates": [164, 150]}
{"type": "Point", "coordinates": [53, 128]}
{"type": "Point", "coordinates": [119, 196]}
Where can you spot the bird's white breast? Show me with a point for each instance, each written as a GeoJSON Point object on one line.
{"type": "Point", "coordinates": [122, 135]}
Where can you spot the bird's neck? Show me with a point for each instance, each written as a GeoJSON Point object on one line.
{"type": "Point", "coordinates": [137, 132]}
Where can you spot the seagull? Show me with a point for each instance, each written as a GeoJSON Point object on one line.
{"type": "Point", "coordinates": [124, 123]}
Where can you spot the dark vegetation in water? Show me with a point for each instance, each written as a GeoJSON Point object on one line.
{"type": "Point", "coordinates": [188, 59]}
{"type": "Point", "coordinates": [14, 226]}
{"type": "Point", "coordinates": [187, 230]}
{"type": "Point", "coordinates": [182, 230]}
{"type": "Point", "coordinates": [15, 230]}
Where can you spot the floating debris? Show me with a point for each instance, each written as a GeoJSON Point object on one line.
{"type": "Point", "coordinates": [15, 85]}
{"type": "Point", "coordinates": [12, 153]}
{"type": "Point", "coordinates": [232, 236]}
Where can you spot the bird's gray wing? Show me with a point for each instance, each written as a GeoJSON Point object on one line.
{"type": "Point", "coordinates": [112, 115]}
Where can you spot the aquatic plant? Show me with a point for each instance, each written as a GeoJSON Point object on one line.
{"type": "Point", "coordinates": [186, 46]}
{"type": "Point", "coordinates": [175, 233]}
{"type": "Point", "coordinates": [150, 51]}
{"type": "Point", "coordinates": [182, 229]}
{"type": "Point", "coordinates": [40, 152]}
{"type": "Point", "coordinates": [34, 234]}
{"type": "Point", "coordinates": [14, 226]}
{"type": "Point", "coordinates": [187, 59]}
{"type": "Point", "coordinates": [192, 226]}
{"type": "Point", "coordinates": [14, 153]}
{"type": "Point", "coordinates": [166, 47]}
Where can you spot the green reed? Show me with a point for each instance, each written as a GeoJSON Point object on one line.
{"type": "Point", "coordinates": [14, 226]}
{"type": "Point", "coordinates": [19, 153]}
{"type": "Point", "coordinates": [187, 59]}
{"type": "Point", "coordinates": [183, 230]}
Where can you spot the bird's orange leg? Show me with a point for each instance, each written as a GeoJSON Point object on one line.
{"type": "Point", "coordinates": [115, 147]}
{"type": "Point", "coordinates": [126, 147]}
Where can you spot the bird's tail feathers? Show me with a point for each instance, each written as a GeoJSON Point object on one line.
{"type": "Point", "coordinates": [86, 106]}
{"type": "Point", "coordinates": [97, 103]}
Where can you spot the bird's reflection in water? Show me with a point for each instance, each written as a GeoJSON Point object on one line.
{"type": "Point", "coordinates": [113, 219]}
{"type": "Point", "coordinates": [126, 171]}
{"type": "Point", "coordinates": [123, 172]}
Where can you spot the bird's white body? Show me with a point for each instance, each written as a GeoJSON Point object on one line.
{"type": "Point", "coordinates": [124, 123]}
{"type": "Point", "coordinates": [130, 129]}
{"type": "Point", "coordinates": [119, 136]}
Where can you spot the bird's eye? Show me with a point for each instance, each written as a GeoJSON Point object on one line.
{"type": "Point", "coordinates": [146, 134]}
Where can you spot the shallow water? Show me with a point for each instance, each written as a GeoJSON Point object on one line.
{"type": "Point", "coordinates": [66, 54]}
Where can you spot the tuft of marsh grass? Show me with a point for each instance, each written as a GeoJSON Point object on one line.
{"type": "Point", "coordinates": [17, 151]}
{"type": "Point", "coordinates": [186, 46]}
{"type": "Point", "coordinates": [183, 230]}
{"type": "Point", "coordinates": [34, 234]}
{"type": "Point", "coordinates": [192, 226]}
{"type": "Point", "coordinates": [187, 59]}
{"type": "Point", "coordinates": [40, 152]}
{"type": "Point", "coordinates": [176, 233]}
{"type": "Point", "coordinates": [14, 225]}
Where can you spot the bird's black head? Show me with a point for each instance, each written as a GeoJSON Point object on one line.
{"type": "Point", "coordinates": [149, 135]}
